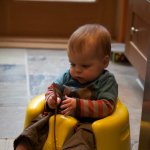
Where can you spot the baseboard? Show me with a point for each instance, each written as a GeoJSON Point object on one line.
{"type": "Point", "coordinates": [48, 43]}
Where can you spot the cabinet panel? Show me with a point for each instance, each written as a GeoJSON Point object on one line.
{"type": "Point", "coordinates": [51, 19]}
{"type": "Point", "coordinates": [138, 35]}
{"type": "Point", "coordinates": [142, 9]}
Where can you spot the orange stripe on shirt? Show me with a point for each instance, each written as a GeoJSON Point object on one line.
{"type": "Point", "coordinates": [100, 107]}
{"type": "Point", "coordinates": [109, 105]}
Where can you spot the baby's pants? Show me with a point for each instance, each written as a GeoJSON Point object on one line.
{"type": "Point", "coordinates": [82, 139]}
{"type": "Point", "coordinates": [34, 136]}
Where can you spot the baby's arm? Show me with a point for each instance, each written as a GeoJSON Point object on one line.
{"type": "Point", "coordinates": [87, 108]}
{"type": "Point", "coordinates": [95, 108]}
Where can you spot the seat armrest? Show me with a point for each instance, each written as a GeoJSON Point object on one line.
{"type": "Point", "coordinates": [34, 108]}
{"type": "Point", "coordinates": [113, 132]}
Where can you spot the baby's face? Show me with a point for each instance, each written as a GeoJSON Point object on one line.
{"type": "Point", "coordinates": [85, 67]}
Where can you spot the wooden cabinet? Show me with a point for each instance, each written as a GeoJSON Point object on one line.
{"type": "Point", "coordinates": [138, 35]}
{"type": "Point", "coordinates": [40, 22]}
{"type": "Point", "coordinates": [56, 19]}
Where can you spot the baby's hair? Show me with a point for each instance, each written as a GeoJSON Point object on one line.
{"type": "Point", "coordinates": [93, 37]}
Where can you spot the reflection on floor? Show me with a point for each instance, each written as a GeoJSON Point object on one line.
{"type": "Point", "coordinates": [25, 73]}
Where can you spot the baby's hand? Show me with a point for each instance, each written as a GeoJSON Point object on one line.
{"type": "Point", "coordinates": [52, 102]}
{"type": "Point", "coordinates": [68, 105]}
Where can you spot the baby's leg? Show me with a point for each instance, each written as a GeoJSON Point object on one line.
{"type": "Point", "coordinates": [83, 139]}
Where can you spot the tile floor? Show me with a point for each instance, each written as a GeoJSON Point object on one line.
{"type": "Point", "coordinates": [25, 73]}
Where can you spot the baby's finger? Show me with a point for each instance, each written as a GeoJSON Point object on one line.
{"type": "Point", "coordinates": [66, 101]}
{"type": "Point", "coordinates": [66, 111]}
{"type": "Point", "coordinates": [64, 106]}
{"type": "Point", "coordinates": [58, 100]}
{"type": "Point", "coordinates": [66, 97]}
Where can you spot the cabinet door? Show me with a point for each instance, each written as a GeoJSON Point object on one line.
{"type": "Point", "coordinates": [52, 18]}
{"type": "Point", "coordinates": [145, 120]}
{"type": "Point", "coordinates": [138, 35]}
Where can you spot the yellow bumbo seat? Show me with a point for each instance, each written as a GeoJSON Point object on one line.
{"type": "Point", "coordinates": [111, 133]}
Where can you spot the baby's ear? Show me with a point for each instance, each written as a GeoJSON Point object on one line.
{"type": "Point", "coordinates": [106, 61]}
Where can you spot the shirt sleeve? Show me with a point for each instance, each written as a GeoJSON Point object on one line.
{"type": "Point", "coordinates": [95, 109]}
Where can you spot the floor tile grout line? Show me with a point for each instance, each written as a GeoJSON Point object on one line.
{"type": "Point", "coordinates": [27, 76]}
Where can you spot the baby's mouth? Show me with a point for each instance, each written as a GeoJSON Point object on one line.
{"type": "Point", "coordinates": [80, 79]}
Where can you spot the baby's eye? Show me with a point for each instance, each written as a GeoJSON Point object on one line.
{"type": "Point", "coordinates": [72, 65]}
{"type": "Point", "coordinates": [85, 66]}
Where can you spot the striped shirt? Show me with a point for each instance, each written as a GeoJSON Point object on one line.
{"type": "Point", "coordinates": [95, 99]}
